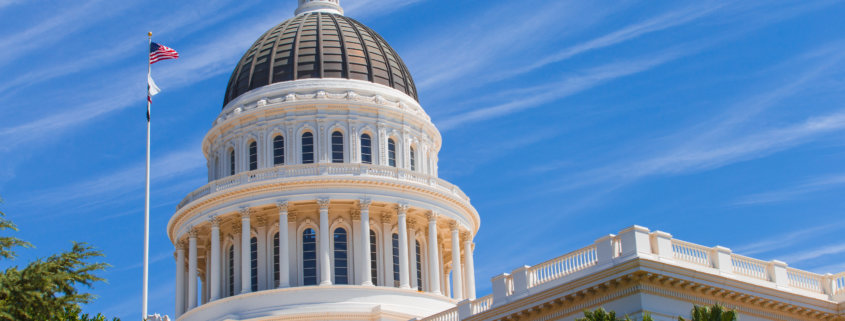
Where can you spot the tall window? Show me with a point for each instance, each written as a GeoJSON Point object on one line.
{"type": "Point", "coordinates": [309, 257]}
{"type": "Point", "coordinates": [391, 152]}
{"type": "Point", "coordinates": [216, 170]}
{"type": "Point", "coordinates": [396, 260]}
{"type": "Point", "coordinates": [276, 259]}
{"type": "Point", "coordinates": [337, 147]}
{"type": "Point", "coordinates": [341, 262]}
{"type": "Point", "coordinates": [231, 271]}
{"type": "Point", "coordinates": [253, 156]}
{"type": "Point", "coordinates": [373, 257]}
{"type": "Point", "coordinates": [419, 265]}
{"type": "Point", "coordinates": [278, 150]}
{"type": "Point", "coordinates": [307, 148]}
{"type": "Point", "coordinates": [413, 160]}
{"type": "Point", "coordinates": [253, 263]}
{"type": "Point", "coordinates": [366, 149]}
{"type": "Point", "coordinates": [232, 161]}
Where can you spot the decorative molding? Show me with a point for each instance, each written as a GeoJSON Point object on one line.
{"type": "Point", "coordinates": [431, 215]}
{"type": "Point", "coordinates": [453, 225]}
{"type": "Point", "coordinates": [261, 221]}
{"type": "Point", "coordinates": [236, 227]}
{"type": "Point", "coordinates": [356, 215]}
{"type": "Point", "coordinates": [292, 217]}
{"type": "Point", "coordinates": [386, 218]}
{"type": "Point", "coordinates": [402, 208]}
{"type": "Point", "coordinates": [192, 233]}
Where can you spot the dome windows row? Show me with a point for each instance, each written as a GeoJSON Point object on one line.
{"type": "Point", "coordinates": [279, 151]}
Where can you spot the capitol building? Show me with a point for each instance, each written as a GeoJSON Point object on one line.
{"type": "Point", "coordinates": [323, 202]}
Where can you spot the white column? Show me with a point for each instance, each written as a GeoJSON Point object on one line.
{"type": "Point", "coordinates": [215, 258]}
{"type": "Point", "coordinates": [412, 245]}
{"type": "Point", "coordinates": [246, 252]}
{"type": "Point", "coordinates": [387, 254]}
{"type": "Point", "coordinates": [457, 281]}
{"type": "Point", "coordinates": [358, 253]}
{"type": "Point", "coordinates": [261, 228]}
{"type": "Point", "coordinates": [180, 279]}
{"type": "Point", "coordinates": [366, 275]}
{"type": "Point", "coordinates": [284, 260]}
{"type": "Point", "coordinates": [192, 269]}
{"type": "Point", "coordinates": [292, 254]}
{"type": "Point", "coordinates": [470, 266]}
{"type": "Point", "coordinates": [401, 225]}
{"type": "Point", "coordinates": [325, 256]}
{"type": "Point", "coordinates": [434, 270]}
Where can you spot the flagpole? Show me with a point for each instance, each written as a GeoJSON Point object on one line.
{"type": "Point", "coordinates": [147, 196]}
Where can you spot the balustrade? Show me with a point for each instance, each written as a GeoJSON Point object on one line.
{"type": "Point", "coordinates": [289, 171]}
{"type": "Point", "coordinates": [747, 266]}
{"type": "Point", "coordinates": [562, 266]}
{"type": "Point", "coordinates": [693, 253]}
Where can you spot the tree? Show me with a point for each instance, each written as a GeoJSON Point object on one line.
{"type": "Point", "coordinates": [601, 315]}
{"type": "Point", "coordinates": [47, 289]}
{"type": "Point", "coordinates": [712, 313]}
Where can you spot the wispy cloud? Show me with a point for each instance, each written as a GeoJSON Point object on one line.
{"type": "Point", "coordinates": [806, 255]}
{"type": "Point", "coordinates": [569, 86]}
{"type": "Point", "coordinates": [365, 8]}
{"type": "Point", "coordinates": [49, 31]}
{"type": "Point", "coordinates": [794, 192]}
{"type": "Point", "coordinates": [111, 186]}
{"type": "Point", "coordinates": [784, 240]}
{"type": "Point", "coordinates": [662, 22]}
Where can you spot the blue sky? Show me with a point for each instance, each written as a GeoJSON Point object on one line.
{"type": "Point", "coordinates": [721, 123]}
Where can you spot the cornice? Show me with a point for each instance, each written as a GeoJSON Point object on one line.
{"type": "Point", "coordinates": [308, 184]}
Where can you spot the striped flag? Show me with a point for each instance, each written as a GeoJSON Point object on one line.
{"type": "Point", "coordinates": [160, 52]}
{"type": "Point", "coordinates": [152, 89]}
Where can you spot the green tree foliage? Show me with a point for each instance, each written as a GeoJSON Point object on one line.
{"type": "Point", "coordinates": [711, 313]}
{"type": "Point", "coordinates": [47, 289]}
{"type": "Point", "coordinates": [601, 315]}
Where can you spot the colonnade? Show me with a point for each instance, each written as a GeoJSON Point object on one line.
{"type": "Point", "coordinates": [242, 250]}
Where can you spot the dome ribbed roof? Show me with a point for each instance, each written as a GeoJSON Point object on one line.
{"type": "Point", "coordinates": [319, 45]}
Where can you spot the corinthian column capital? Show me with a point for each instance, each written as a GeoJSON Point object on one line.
{"type": "Point", "coordinates": [215, 221]}
{"type": "Point", "coordinates": [431, 215]}
{"type": "Point", "coordinates": [246, 212]}
{"type": "Point", "coordinates": [402, 208]}
{"type": "Point", "coordinates": [364, 203]}
{"type": "Point", "coordinates": [282, 206]}
{"type": "Point", "coordinates": [324, 203]}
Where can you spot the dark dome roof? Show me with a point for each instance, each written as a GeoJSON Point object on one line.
{"type": "Point", "coordinates": [319, 45]}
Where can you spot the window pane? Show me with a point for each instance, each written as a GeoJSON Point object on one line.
{"type": "Point", "coordinates": [341, 262]}
{"type": "Point", "coordinates": [337, 147]}
{"type": "Point", "coordinates": [413, 160]}
{"type": "Point", "coordinates": [391, 152]}
{"type": "Point", "coordinates": [309, 257]}
{"type": "Point", "coordinates": [231, 270]}
{"type": "Point", "coordinates": [396, 260]}
{"type": "Point", "coordinates": [419, 266]}
{"type": "Point", "coordinates": [373, 257]}
{"type": "Point", "coordinates": [276, 259]}
{"type": "Point", "coordinates": [231, 162]}
{"type": "Point", "coordinates": [279, 150]}
{"type": "Point", "coordinates": [253, 156]}
{"type": "Point", "coordinates": [307, 148]}
{"type": "Point", "coordinates": [253, 263]}
{"type": "Point", "coordinates": [366, 149]}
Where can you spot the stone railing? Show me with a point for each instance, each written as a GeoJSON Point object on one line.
{"type": "Point", "coordinates": [291, 171]}
{"type": "Point", "coordinates": [639, 242]}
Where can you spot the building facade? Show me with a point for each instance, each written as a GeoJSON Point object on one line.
{"type": "Point", "coordinates": [323, 202]}
{"type": "Point", "coordinates": [323, 199]}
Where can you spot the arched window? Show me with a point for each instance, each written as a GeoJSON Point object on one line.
{"type": "Point", "coordinates": [253, 263]}
{"type": "Point", "coordinates": [366, 149]}
{"type": "Point", "coordinates": [419, 265]}
{"type": "Point", "coordinates": [396, 260]}
{"type": "Point", "coordinates": [309, 257]}
{"type": "Point", "coordinates": [337, 147]}
{"type": "Point", "coordinates": [231, 161]}
{"type": "Point", "coordinates": [276, 259]}
{"type": "Point", "coordinates": [231, 272]}
{"type": "Point", "coordinates": [216, 170]}
{"type": "Point", "coordinates": [307, 148]}
{"type": "Point", "coordinates": [413, 160]}
{"type": "Point", "coordinates": [373, 257]}
{"type": "Point", "coordinates": [253, 156]}
{"type": "Point", "coordinates": [278, 150]}
{"type": "Point", "coordinates": [341, 259]}
{"type": "Point", "coordinates": [391, 152]}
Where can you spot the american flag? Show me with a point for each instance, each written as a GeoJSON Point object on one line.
{"type": "Point", "coordinates": [160, 52]}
